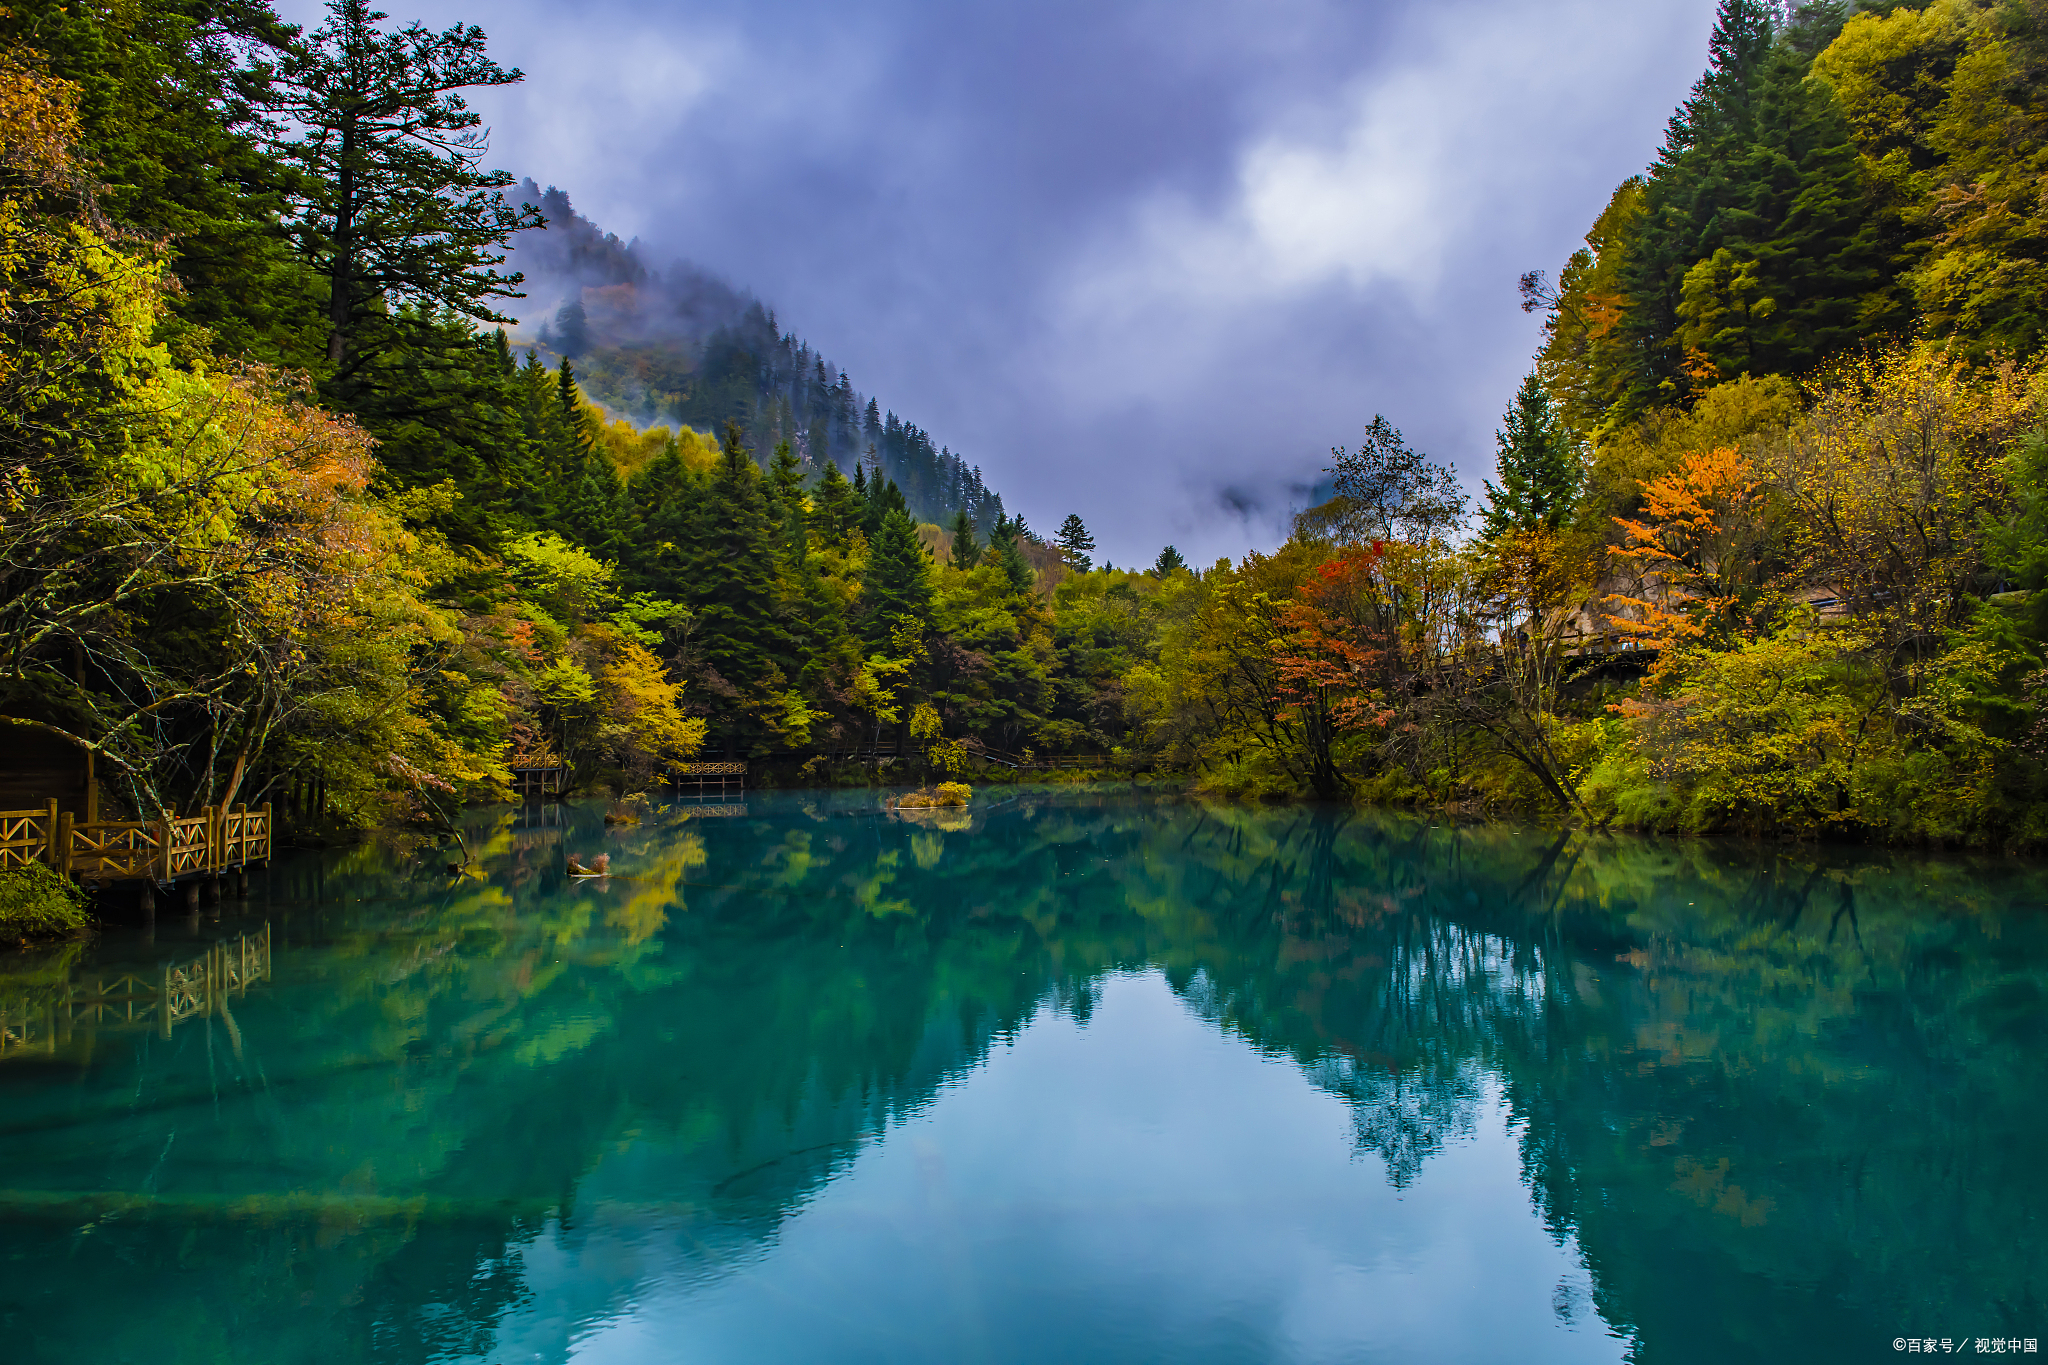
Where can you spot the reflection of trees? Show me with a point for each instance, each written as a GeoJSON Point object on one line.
{"type": "Point", "coordinates": [1737, 1071]}
{"type": "Point", "coordinates": [1762, 1085]}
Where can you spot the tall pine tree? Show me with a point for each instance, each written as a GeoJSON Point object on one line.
{"type": "Point", "coordinates": [1538, 465]}
{"type": "Point", "coordinates": [739, 632]}
{"type": "Point", "coordinates": [966, 550]}
{"type": "Point", "coordinates": [1075, 543]}
{"type": "Point", "coordinates": [897, 583]}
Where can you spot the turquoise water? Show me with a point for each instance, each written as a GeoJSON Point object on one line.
{"type": "Point", "coordinates": [1074, 1076]}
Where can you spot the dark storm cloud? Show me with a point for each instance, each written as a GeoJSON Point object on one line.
{"type": "Point", "coordinates": [1146, 261]}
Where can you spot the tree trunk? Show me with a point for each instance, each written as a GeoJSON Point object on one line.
{"type": "Point", "coordinates": [341, 276]}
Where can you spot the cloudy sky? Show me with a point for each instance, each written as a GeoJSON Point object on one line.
{"type": "Point", "coordinates": [1143, 260]}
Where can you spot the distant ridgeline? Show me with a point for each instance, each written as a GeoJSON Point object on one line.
{"type": "Point", "coordinates": [679, 345]}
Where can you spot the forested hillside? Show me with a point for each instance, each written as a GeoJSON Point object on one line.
{"type": "Point", "coordinates": [288, 517]}
{"type": "Point", "coordinates": [1765, 544]}
{"type": "Point", "coordinates": [680, 347]}
{"type": "Point", "coordinates": [287, 513]}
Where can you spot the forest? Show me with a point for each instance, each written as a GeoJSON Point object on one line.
{"type": "Point", "coordinates": [288, 516]}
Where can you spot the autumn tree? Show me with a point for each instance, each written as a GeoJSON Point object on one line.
{"type": "Point", "coordinates": [1697, 557]}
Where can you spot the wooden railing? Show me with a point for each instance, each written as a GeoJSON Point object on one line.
{"type": "Point", "coordinates": [706, 779]}
{"type": "Point", "coordinates": [25, 835]}
{"type": "Point", "coordinates": [113, 851]}
{"type": "Point", "coordinates": [245, 836]}
{"type": "Point", "coordinates": [43, 1020]}
{"type": "Point", "coordinates": [215, 840]}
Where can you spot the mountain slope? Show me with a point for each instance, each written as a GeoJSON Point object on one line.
{"type": "Point", "coordinates": [676, 344]}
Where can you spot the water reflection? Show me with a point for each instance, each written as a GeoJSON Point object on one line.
{"type": "Point", "coordinates": [1775, 1102]}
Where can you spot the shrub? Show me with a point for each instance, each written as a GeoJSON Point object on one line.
{"type": "Point", "coordinates": [948, 794]}
{"type": "Point", "coordinates": [35, 900]}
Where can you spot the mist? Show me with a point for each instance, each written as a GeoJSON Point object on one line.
{"type": "Point", "coordinates": [1147, 263]}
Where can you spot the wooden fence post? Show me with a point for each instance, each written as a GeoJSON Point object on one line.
{"type": "Point", "coordinates": [60, 845]}
{"type": "Point", "coordinates": [50, 837]}
{"type": "Point", "coordinates": [267, 827]}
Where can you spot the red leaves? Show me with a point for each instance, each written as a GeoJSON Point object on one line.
{"type": "Point", "coordinates": [1328, 661]}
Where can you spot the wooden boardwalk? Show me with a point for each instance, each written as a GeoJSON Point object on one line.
{"type": "Point", "coordinates": [215, 842]}
{"type": "Point", "coordinates": [720, 779]}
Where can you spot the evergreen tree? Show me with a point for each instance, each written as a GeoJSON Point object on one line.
{"type": "Point", "coordinates": [393, 202]}
{"type": "Point", "coordinates": [445, 407]}
{"type": "Point", "coordinates": [786, 472]}
{"type": "Point", "coordinates": [1538, 466]}
{"type": "Point", "coordinates": [1075, 543]}
{"type": "Point", "coordinates": [826, 650]}
{"type": "Point", "coordinates": [897, 583]}
{"type": "Point", "coordinates": [1757, 251]}
{"type": "Point", "coordinates": [739, 632]}
{"type": "Point", "coordinates": [785, 490]}
{"type": "Point", "coordinates": [669, 502]}
{"type": "Point", "coordinates": [572, 329]}
{"type": "Point", "coordinates": [1004, 552]}
{"type": "Point", "coordinates": [1169, 561]}
{"type": "Point", "coordinates": [839, 506]}
{"type": "Point", "coordinates": [540, 420]}
{"type": "Point", "coordinates": [884, 497]}
{"type": "Point", "coordinates": [966, 550]}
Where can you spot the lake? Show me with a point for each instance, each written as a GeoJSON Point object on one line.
{"type": "Point", "coordinates": [1075, 1075]}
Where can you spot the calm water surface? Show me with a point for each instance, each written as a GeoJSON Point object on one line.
{"type": "Point", "coordinates": [1083, 1076]}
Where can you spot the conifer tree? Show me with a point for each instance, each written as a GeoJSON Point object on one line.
{"type": "Point", "coordinates": [966, 550]}
{"type": "Point", "coordinates": [739, 632]}
{"type": "Point", "coordinates": [394, 203]}
{"type": "Point", "coordinates": [572, 329]}
{"type": "Point", "coordinates": [1003, 551]}
{"type": "Point", "coordinates": [884, 497]}
{"type": "Point", "coordinates": [897, 583]}
{"type": "Point", "coordinates": [1757, 251]}
{"type": "Point", "coordinates": [1538, 466]}
{"type": "Point", "coordinates": [540, 421]}
{"type": "Point", "coordinates": [826, 650]}
{"type": "Point", "coordinates": [667, 499]}
{"type": "Point", "coordinates": [1169, 561]}
{"type": "Point", "coordinates": [587, 502]}
{"type": "Point", "coordinates": [1075, 543]}
{"type": "Point", "coordinates": [839, 506]}
{"type": "Point", "coordinates": [786, 476]}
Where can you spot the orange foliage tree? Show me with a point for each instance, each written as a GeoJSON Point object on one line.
{"type": "Point", "coordinates": [1695, 558]}
{"type": "Point", "coordinates": [1332, 659]}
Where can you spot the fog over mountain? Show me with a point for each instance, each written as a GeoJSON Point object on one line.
{"type": "Point", "coordinates": [1142, 261]}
